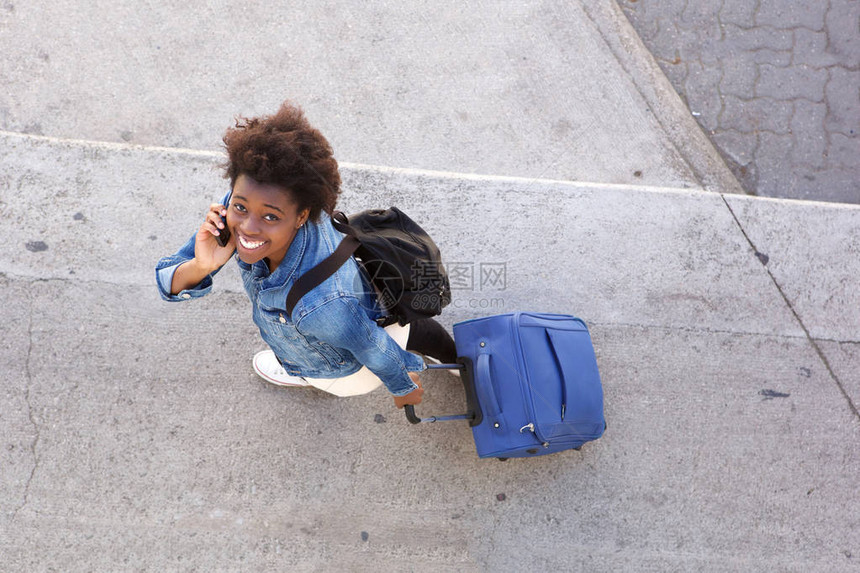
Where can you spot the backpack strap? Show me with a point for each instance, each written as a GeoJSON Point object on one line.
{"type": "Point", "coordinates": [340, 222]}
{"type": "Point", "coordinates": [327, 267]}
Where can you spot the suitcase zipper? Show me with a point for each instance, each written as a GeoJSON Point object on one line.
{"type": "Point", "coordinates": [531, 427]}
{"type": "Point", "coordinates": [526, 389]}
{"type": "Point", "coordinates": [533, 430]}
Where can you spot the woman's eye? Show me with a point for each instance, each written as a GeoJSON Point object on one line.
{"type": "Point", "coordinates": [238, 207]}
{"type": "Point", "coordinates": [270, 217]}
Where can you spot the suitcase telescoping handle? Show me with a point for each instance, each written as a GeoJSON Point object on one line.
{"type": "Point", "coordinates": [413, 419]}
{"type": "Point", "coordinates": [474, 412]}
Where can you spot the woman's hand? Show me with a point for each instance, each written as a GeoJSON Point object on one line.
{"type": "Point", "coordinates": [208, 253]}
{"type": "Point", "coordinates": [209, 256]}
{"type": "Point", "coordinates": [413, 397]}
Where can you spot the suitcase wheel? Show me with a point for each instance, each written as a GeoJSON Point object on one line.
{"type": "Point", "coordinates": [503, 459]}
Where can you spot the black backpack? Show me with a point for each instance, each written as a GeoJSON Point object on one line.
{"type": "Point", "coordinates": [402, 261]}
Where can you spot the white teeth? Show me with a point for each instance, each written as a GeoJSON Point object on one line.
{"type": "Point", "coordinates": [249, 244]}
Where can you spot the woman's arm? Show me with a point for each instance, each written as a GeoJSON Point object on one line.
{"type": "Point", "coordinates": [188, 275]}
{"type": "Point", "coordinates": [342, 323]}
{"type": "Point", "coordinates": [191, 268]}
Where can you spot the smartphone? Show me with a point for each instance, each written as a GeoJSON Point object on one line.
{"type": "Point", "coordinates": [224, 234]}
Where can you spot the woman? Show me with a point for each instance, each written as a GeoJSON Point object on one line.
{"type": "Point", "coordinates": [284, 186]}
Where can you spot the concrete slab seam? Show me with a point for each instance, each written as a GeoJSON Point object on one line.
{"type": "Point", "coordinates": [797, 317]}
{"type": "Point", "coordinates": [528, 181]}
{"type": "Point", "coordinates": [110, 145]}
{"type": "Point", "coordinates": [695, 330]}
{"type": "Point", "coordinates": [28, 376]}
{"type": "Point", "coordinates": [407, 171]}
{"type": "Point", "coordinates": [834, 341]}
{"type": "Point", "coordinates": [382, 169]}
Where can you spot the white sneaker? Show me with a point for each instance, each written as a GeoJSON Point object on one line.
{"type": "Point", "coordinates": [267, 367]}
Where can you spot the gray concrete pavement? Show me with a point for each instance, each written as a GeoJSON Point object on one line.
{"type": "Point", "coordinates": [136, 436]}
{"type": "Point", "coordinates": [776, 86]}
{"type": "Point", "coordinates": [526, 89]}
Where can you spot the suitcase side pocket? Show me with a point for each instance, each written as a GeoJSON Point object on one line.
{"type": "Point", "coordinates": [582, 393]}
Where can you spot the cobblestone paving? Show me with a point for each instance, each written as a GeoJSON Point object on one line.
{"type": "Point", "coordinates": [774, 83]}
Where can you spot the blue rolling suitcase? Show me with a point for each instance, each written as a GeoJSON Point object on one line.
{"type": "Point", "coordinates": [531, 381]}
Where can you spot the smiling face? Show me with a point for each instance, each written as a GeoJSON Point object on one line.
{"type": "Point", "coordinates": [264, 219]}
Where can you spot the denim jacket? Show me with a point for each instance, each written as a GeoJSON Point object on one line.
{"type": "Point", "coordinates": [332, 331]}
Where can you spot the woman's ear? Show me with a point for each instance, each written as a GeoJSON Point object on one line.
{"type": "Point", "coordinates": [303, 218]}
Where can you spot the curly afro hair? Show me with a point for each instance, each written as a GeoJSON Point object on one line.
{"type": "Point", "coordinates": [284, 150]}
